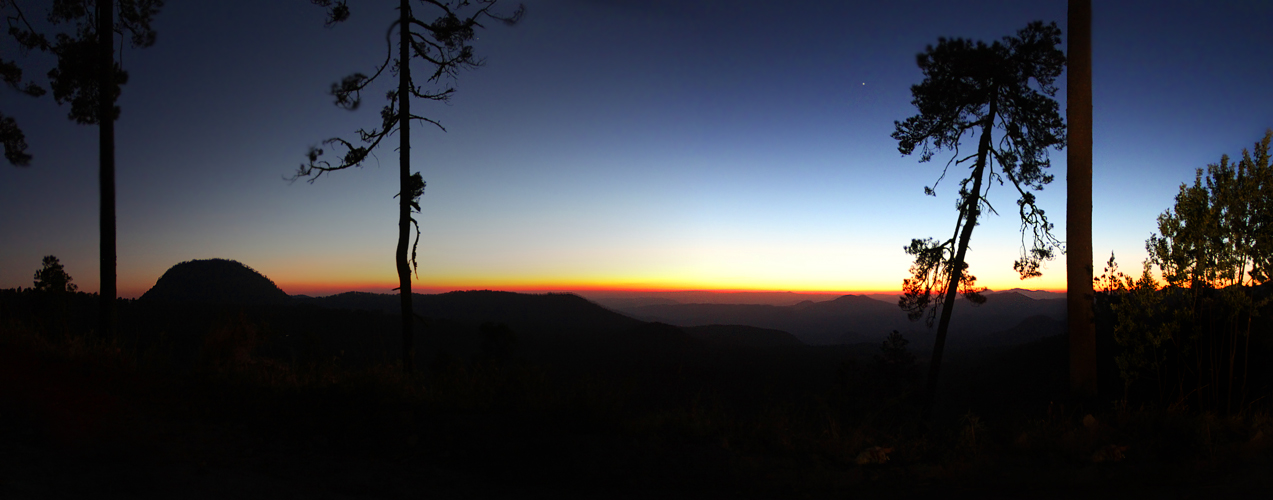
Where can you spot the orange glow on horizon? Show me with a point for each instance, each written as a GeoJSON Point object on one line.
{"type": "Point", "coordinates": [319, 289]}
{"type": "Point", "coordinates": [333, 287]}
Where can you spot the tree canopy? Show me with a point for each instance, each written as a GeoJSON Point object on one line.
{"type": "Point", "coordinates": [1001, 94]}
{"type": "Point", "coordinates": [52, 277]}
{"type": "Point", "coordinates": [975, 88]}
{"type": "Point", "coordinates": [1190, 339]}
{"type": "Point", "coordinates": [68, 31]}
{"type": "Point", "coordinates": [1220, 231]}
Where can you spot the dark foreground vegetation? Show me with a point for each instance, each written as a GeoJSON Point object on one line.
{"type": "Point", "coordinates": [300, 400]}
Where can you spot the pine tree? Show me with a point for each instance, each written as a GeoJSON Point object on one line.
{"type": "Point", "coordinates": [971, 88]}
{"type": "Point", "coordinates": [444, 47]}
{"type": "Point", "coordinates": [88, 78]}
{"type": "Point", "coordinates": [52, 277]}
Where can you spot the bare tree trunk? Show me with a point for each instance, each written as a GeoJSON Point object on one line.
{"type": "Point", "coordinates": [957, 265]}
{"type": "Point", "coordinates": [404, 181]}
{"type": "Point", "coordinates": [106, 166]}
{"type": "Point", "coordinates": [1078, 222]}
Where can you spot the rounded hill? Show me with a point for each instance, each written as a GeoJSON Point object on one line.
{"type": "Point", "coordinates": [216, 281]}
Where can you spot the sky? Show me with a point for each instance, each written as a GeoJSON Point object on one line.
{"type": "Point", "coordinates": [616, 144]}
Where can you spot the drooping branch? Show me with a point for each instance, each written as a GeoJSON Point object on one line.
{"type": "Point", "coordinates": [25, 34]}
{"type": "Point", "coordinates": [348, 91]}
{"type": "Point", "coordinates": [443, 43]}
{"type": "Point", "coordinates": [315, 167]}
{"type": "Point", "coordinates": [441, 95]}
{"type": "Point", "coordinates": [337, 12]}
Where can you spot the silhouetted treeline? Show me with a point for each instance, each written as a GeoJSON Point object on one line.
{"type": "Point", "coordinates": [1207, 349]}
{"type": "Point", "coordinates": [1201, 338]}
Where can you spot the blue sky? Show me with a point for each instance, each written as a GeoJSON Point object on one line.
{"type": "Point", "coordinates": [652, 144]}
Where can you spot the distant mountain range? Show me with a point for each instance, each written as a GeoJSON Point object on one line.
{"type": "Point", "coordinates": [1006, 317]}
{"type": "Point", "coordinates": [856, 318]}
{"type": "Point", "coordinates": [621, 299]}
{"type": "Point", "coordinates": [635, 320]}
{"type": "Point", "coordinates": [538, 318]}
{"type": "Point", "coordinates": [558, 317]}
{"type": "Point", "coordinates": [627, 299]}
{"type": "Point", "coordinates": [1034, 294]}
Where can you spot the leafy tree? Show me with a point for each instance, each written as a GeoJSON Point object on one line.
{"type": "Point", "coordinates": [1212, 247]}
{"type": "Point", "coordinates": [1219, 232]}
{"type": "Point", "coordinates": [971, 88]}
{"type": "Point", "coordinates": [1142, 327]}
{"type": "Point", "coordinates": [444, 47]}
{"type": "Point", "coordinates": [1192, 335]}
{"type": "Point", "coordinates": [88, 78]}
{"type": "Point", "coordinates": [52, 277]}
{"type": "Point", "coordinates": [1078, 208]}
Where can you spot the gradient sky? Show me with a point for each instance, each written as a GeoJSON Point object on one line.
{"type": "Point", "coordinates": [655, 144]}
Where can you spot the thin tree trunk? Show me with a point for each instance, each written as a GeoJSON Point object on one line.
{"type": "Point", "coordinates": [1233, 354]}
{"type": "Point", "coordinates": [404, 180]}
{"type": "Point", "coordinates": [957, 265]}
{"type": "Point", "coordinates": [1246, 361]}
{"type": "Point", "coordinates": [1216, 354]}
{"type": "Point", "coordinates": [1078, 223]}
{"type": "Point", "coordinates": [106, 167]}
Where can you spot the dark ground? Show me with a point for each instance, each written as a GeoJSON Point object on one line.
{"type": "Point", "coordinates": [81, 418]}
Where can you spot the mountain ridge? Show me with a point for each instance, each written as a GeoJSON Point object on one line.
{"type": "Point", "coordinates": [856, 318]}
{"type": "Point", "coordinates": [572, 318]}
{"type": "Point", "coordinates": [215, 281]}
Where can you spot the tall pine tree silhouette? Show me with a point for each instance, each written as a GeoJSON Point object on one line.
{"type": "Point", "coordinates": [971, 88]}
{"type": "Point", "coordinates": [88, 78]}
{"type": "Point", "coordinates": [444, 46]}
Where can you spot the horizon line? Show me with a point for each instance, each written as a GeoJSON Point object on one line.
{"type": "Point", "coordinates": [320, 291]}
{"type": "Point", "coordinates": [633, 290]}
